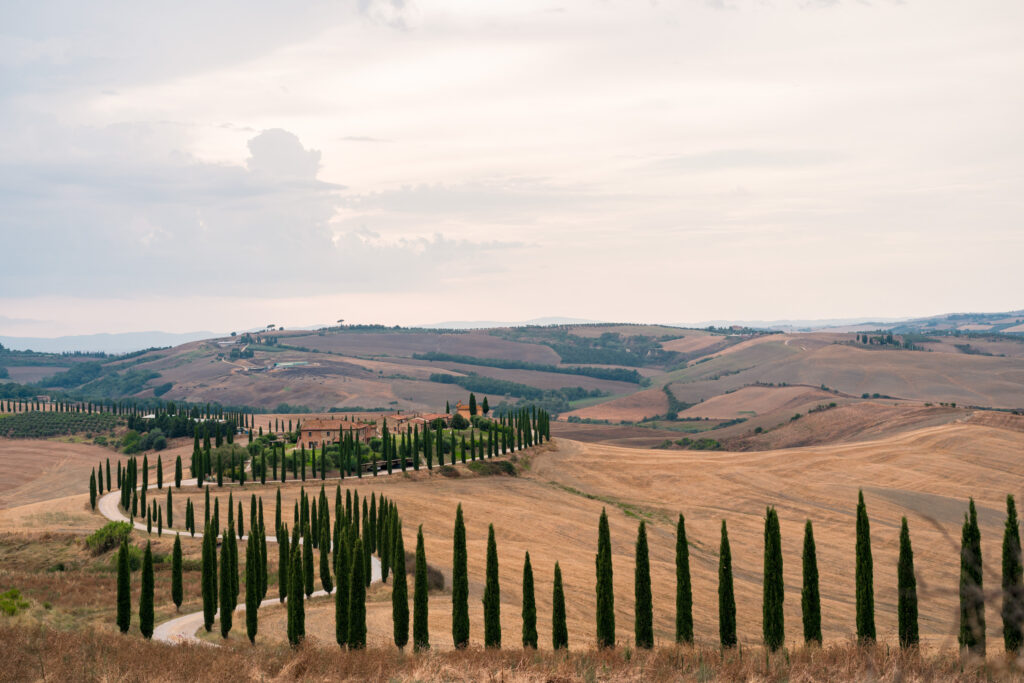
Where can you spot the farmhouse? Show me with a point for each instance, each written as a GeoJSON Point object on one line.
{"type": "Point", "coordinates": [316, 432]}
{"type": "Point", "coordinates": [462, 409]}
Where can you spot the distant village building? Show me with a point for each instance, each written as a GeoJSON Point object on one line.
{"type": "Point", "coordinates": [315, 432]}
{"type": "Point", "coordinates": [463, 410]}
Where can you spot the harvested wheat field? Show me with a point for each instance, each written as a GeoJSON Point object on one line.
{"type": "Point", "coordinates": [551, 510]}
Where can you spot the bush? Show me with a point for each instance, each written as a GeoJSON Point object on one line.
{"type": "Point", "coordinates": [108, 537]}
{"type": "Point", "coordinates": [459, 422]}
{"type": "Point", "coordinates": [11, 602]}
{"type": "Point", "coordinates": [131, 442]}
{"type": "Point", "coordinates": [487, 468]}
{"type": "Point", "coordinates": [449, 471]}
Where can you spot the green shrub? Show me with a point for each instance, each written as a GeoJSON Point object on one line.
{"type": "Point", "coordinates": [108, 537]}
{"type": "Point", "coordinates": [486, 468]}
{"type": "Point", "coordinates": [449, 471]}
{"type": "Point", "coordinates": [11, 602]}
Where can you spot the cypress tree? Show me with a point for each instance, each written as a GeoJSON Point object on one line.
{"type": "Point", "coordinates": [284, 559]}
{"type": "Point", "coordinates": [399, 590]}
{"type": "Point", "coordinates": [643, 626]}
{"type": "Point", "coordinates": [492, 595]}
{"type": "Point", "coordinates": [529, 607]}
{"type": "Point", "coordinates": [296, 600]}
{"type": "Point", "coordinates": [605, 589]}
{"type": "Point", "coordinates": [773, 624]}
{"type": "Point", "coordinates": [159, 471]}
{"type": "Point", "coordinates": [726, 596]}
{"type": "Point", "coordinates": [146, 598]}
{"type": "Point", "coordinates": [124, 588]}
{"type": "Point", "coordinates": [342, 566]}
{"type": "Point", "coordinates": [177, 472]}
{"type": "Point", "coordinates": [559, 632]}
{"type": "Point", "coordinates": [170, 509]}
{"type": "Point", "coordinates": [810, 597]}
{"type": "Point", "coordinates": [460, 584]}
{"type": "Point", "coordinates": [307, 565]}
{"type": "Point", "coordinates": [684, 589]}
{"type": "Point", "coordinates": [906, 591]}
{"type": "Point", "coordinates": [864, 575]}
{"type": "Point", "coordinates": [325, 556]}
{"type": "Point", "coordinates": [357, 601]}
{"type": "Point", "coordinates": [92, 490]}
{"type": "Point", "coordinates": [177, 593]}
{"type": "Point", "coordinates": [226, 606]}
{"type": "Point", "coordinates": [108, 473]}
{"type": "Point", "coordinates": [1013, 590]}
{"type": "Point", "coordinates": [209, 563]}
{"type": "Point", "coordinates": [252, 589]}
{"type": "Point", "coordinates": [232, 543]}
{"type": "Point", "coordinates": [420, 631]}
{"type": "Point", "coordinates": [972, 598]}
{"type": "Point", "coordinates": [263, 554]}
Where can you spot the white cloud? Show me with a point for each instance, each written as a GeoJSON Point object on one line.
{"type": "Point", "coordinates": [809, 158]}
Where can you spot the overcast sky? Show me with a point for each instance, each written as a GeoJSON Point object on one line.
{"type": "Point", "coordinates": [184, 166]}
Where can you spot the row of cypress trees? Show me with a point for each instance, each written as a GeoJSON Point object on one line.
{"type": "Point", "coordinates": [972, 603]}
{"type": "Point", "coordinates": [381, 533]}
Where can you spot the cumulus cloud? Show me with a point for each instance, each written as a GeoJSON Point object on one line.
{"type": "Point", "coordinates": [279, 154]}
{"type": "Point", "coordinates": [119, 220]}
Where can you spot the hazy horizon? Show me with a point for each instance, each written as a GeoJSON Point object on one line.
{"type": "Point", "coordinates": [412, 162]}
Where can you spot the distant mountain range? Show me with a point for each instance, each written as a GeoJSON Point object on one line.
{"type": "Point", "coordinates": [110, 343]}
{"type": "Point", "coordinates": [1011, 322]}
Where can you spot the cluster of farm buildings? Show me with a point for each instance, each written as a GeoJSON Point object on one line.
{"type": "Point", "coordinates": [318, 431]}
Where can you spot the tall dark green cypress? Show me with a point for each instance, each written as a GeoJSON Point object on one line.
{"type": "Point", "coordinates": [283, 563]}
{"type": "Point", "coordinates": [357, 600]}
{"type": "Point", "coordinates": [460, 584]}
{"type": "Point", "coordinates": [124, 588]}
{"type": "Point", "coordinates": [177, 594]}
{"type": "Point", "coordinates": [604, 586]}
{"type": "Point", "coordinates": [92, 490]}
{"type": "Point", "coordinates": [342, 566]}
{"type": "Point", "coordinates": [643, 611]}
{"type": "Point", "coordinates": [177, 472]}
{"type": "Point", "coordinates": [906, 591]}
{"type": "Point", "coordinates": [559, 631]}
{"type": "Point", "coordinates": [399, 589]}
{"type": "Point", "coordinates": [307, 563]}
{"type": "Point", "coordinates": [492, 595]}
{"type": "Point", "coordinates": [972, 596]}
{"type": "Point", "coordinates": [684, 589]}
{"type": "Point", "coordinates": [252, 589]}
{"type": "Point", "coordinates": [529, 606]}
{"type": "Point", "coordinates": [810, 596]}
{"type": "Point", "coordinates": [296, 599]}
{"type": "Point", "coordinates": [864, 573]}
{"type": "Point", "coordinates": [209, 563]}
{"type": "Point", "coordinates": [726, 595]}
{"type": "Point", "coordinates": [226, 587]}
{"type": "Point", "coordinates": [1013, 591]}
{"type": "Point", "coordinates": [325, 555]}
{"type": "Point", "coordinates": [773, 624]}
{"type": "Point", "coordinates": [420, 630]}
{"type": "Point", "coordinates": [170, 509]}
{"type": "Point", "coordinates": [146, 597]}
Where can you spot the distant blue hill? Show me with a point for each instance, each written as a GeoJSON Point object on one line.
{"type": "Point", "coordinates": [110, 343]}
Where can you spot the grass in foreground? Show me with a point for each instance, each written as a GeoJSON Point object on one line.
{"type": "Point", "coordinates": [41, 653]}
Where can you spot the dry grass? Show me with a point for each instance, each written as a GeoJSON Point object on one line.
{"type": "Point", "coordinates": [646, 403]}
{"type": "Point", "coordinates": [47, 654]}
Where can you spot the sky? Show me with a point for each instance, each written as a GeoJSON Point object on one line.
{"type": "Point", "coordinates": [225, 165]}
